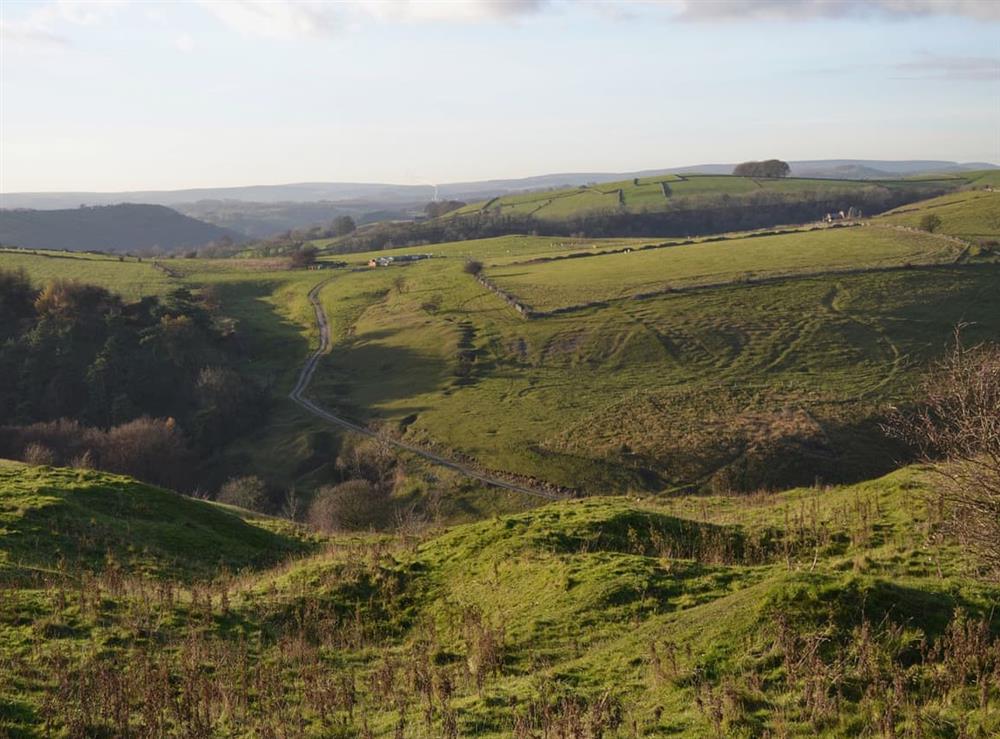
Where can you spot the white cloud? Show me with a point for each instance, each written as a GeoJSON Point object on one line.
{"type": "Point", "coordinates": [45, 26]}
{"type": "Point", "coordinates": [28, 35]}
{"type": "Point", "coordinates": [449, 10]}
{"type": "Point", "coordinates": [185, 43]}
{"type": "Point", "coordinates": [291, 19]}
{"type": "Point", "coordinates": [934, 67]}
{"type": "Point", "coordinates": [706, 10]}
{"type": "Point", "coordinates": [278, 20]}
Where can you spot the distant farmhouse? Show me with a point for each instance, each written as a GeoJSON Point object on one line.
{"type": "Point", "coordinates": [401, 259]}
{"type": "Point", "coordinates": [851, 214]}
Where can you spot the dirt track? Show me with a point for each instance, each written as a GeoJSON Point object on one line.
{"type": "Point", "coordinates": [297, 395]}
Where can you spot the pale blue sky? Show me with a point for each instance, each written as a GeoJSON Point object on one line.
{"type": "Point", "coordinates": [147, 95]}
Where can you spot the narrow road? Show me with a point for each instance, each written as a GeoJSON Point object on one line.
{"type": "Point", "coordinates": [297, 395]}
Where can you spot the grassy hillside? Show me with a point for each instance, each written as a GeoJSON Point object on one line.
{"type": "Point", "coordinates": [79, 520]}
{"type": "Point", "coordinates": [128, 276]}
{"type": "Point", "coordinates": [120, 228]}
{"type": "Point", "coordinates": [816, 612]}
{"type": "Point", "coordinates": [741, 384]}
{"type": "Point", "coordinates": [973, 215]}
{"type": "Point", "coordinates": [621, 395]}
{"type": "Point", "coordinates": [555, 284]}
{"type": "Point", "coordinates": [646, 194]}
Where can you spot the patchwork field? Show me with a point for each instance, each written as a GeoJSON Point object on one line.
{"type": "Point", "coordinates": [650, 394]}
{"type": "Point", "coordinates": [550, 285]}
{"type": "Point", "coordinates": [732, 381]}
{"type": "Point", "coordinates": [659, 192]}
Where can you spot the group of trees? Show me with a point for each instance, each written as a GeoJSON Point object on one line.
{"type": "Point", "coordinates": [282, 244]}
{"type": "Point", "coordinates": [440, 207]}
{"type": "Point", "coordinates": [767, 168]}
{"type": "Point", "coordinates": [75, 351]}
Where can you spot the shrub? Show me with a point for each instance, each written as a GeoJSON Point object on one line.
{"type": "Point", "coordinates": [304, 257]}
{"type": "Point", "coordinates": [151, 449]}
{"type": "Point", "coordinates": [473, 267]}
{"type": "Point", "coordinates": [930, 222]}
{"type": "Point", "coordinates": [370, 459]}
{"type": "Point", "coordinates": [957, 429]}
{"type": "Point", "coordinates": [245, 492]}
{"type": "Point", "coordinates": [38, 454]}
{"type": "Point", "coordinates": [349, 506]}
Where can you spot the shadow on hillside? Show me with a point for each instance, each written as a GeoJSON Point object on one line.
{"type": "Point", "coordinates": [274, 347]}
{"type": "Point", "coordinates": [361, 374]}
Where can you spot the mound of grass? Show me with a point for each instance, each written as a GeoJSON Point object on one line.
{"type": "Point", "coordinates": [62, 519]}
{"type": "Point", "coordinates": [596, 617]}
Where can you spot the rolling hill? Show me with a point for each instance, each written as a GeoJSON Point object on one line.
{"type": "Point", "coordinates": [82, 520]}
{"type": "Point", "coordinates": [640, 195]}
{"type": "Point", "coordinates": [612, 381]}
{"type": "Point", "coordinates": [607, 617]}
{"type": "Point", "coordinates": [973, 215]}
{"type": "Point", "coordinates": [116, 228]}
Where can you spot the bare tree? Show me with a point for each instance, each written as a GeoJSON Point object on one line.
{"type": "Point", "coordinates": [248, 492]}
{"type": "Point", "coordinates": [350, 506]}
{"type": "Point", "coordinates": [957, 430]}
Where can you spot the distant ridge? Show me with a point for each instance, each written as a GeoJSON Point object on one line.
{"type": "Point", "coordinates": [118, 228]}
{"type": "Point", "coordinates": [386, 193]}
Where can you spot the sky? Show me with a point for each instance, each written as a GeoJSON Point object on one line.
{"type": "Point", "coordinates": [106, 96]}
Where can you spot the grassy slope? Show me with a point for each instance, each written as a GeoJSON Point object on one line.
{"type": "Point", "coordinates": [648, 193]}
{"type": "Point", "coordinates": [61, 518]}
{"type": "Point", "coordinates": [555, 284]}
{"type": "Point", "coordinates": [973, 214]}
{"type": "Point", "coordinates": [129, 277]}
{"type": "Point", "coordinates": [688, 617]}
{"type": "Point", "coordinates": [616, 398]}
{"type": "Point", "coordinates": [643, 394]}
{"type": "Point", "coordinates": [277, 326]}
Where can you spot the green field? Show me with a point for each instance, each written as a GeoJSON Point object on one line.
{"type": "Point", "coordinates": [649, 193]}
{"type": "Point", "coordinates": [971, 215]}
{"type": "Point", "coordinates": [128, 276]}
{"type": "Point", "coordinates": [722, 575]}
{"type": "Point", "coordinates": [643, 395]}
{"type": "Point", "coordinates": [739, 384]}
{"type": "Point", "coordinates": [552, 285]}
{"type": "Point", "coordinates": [690, 617]}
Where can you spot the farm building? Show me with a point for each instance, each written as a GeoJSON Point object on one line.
{"type": "Point", "coordinates": [401, 259]}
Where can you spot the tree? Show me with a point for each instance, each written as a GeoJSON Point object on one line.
{"type": "Point", "coordinates": [473, 267]}
{"type": "Point", "coordinates": [767, 168]}
{"type": "Point", "coordinates": [17, 300]}
{"type": "Point", "coordinates": [349, 506]}
{"type": "Point", "coordinates": [303, 257]}
{"type": "Point", "coordinates": [246, 492]}
{"type": "Point", "coordinates": [343, 225]}
{"type": "Point", "coordinates": [930, 222]}
{"type": "Point", "coordinates": [440, 207]}
{"type": "Point", "coordinates": [957, 430]}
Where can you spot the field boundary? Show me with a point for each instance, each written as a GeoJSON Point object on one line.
{"type": "Point", "coordinates": [530, 313]}
{"type": "Point", "coordinates": [298, 396]}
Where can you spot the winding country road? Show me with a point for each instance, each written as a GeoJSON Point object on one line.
{"type": "Point", "coordinates": [297, 395]}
